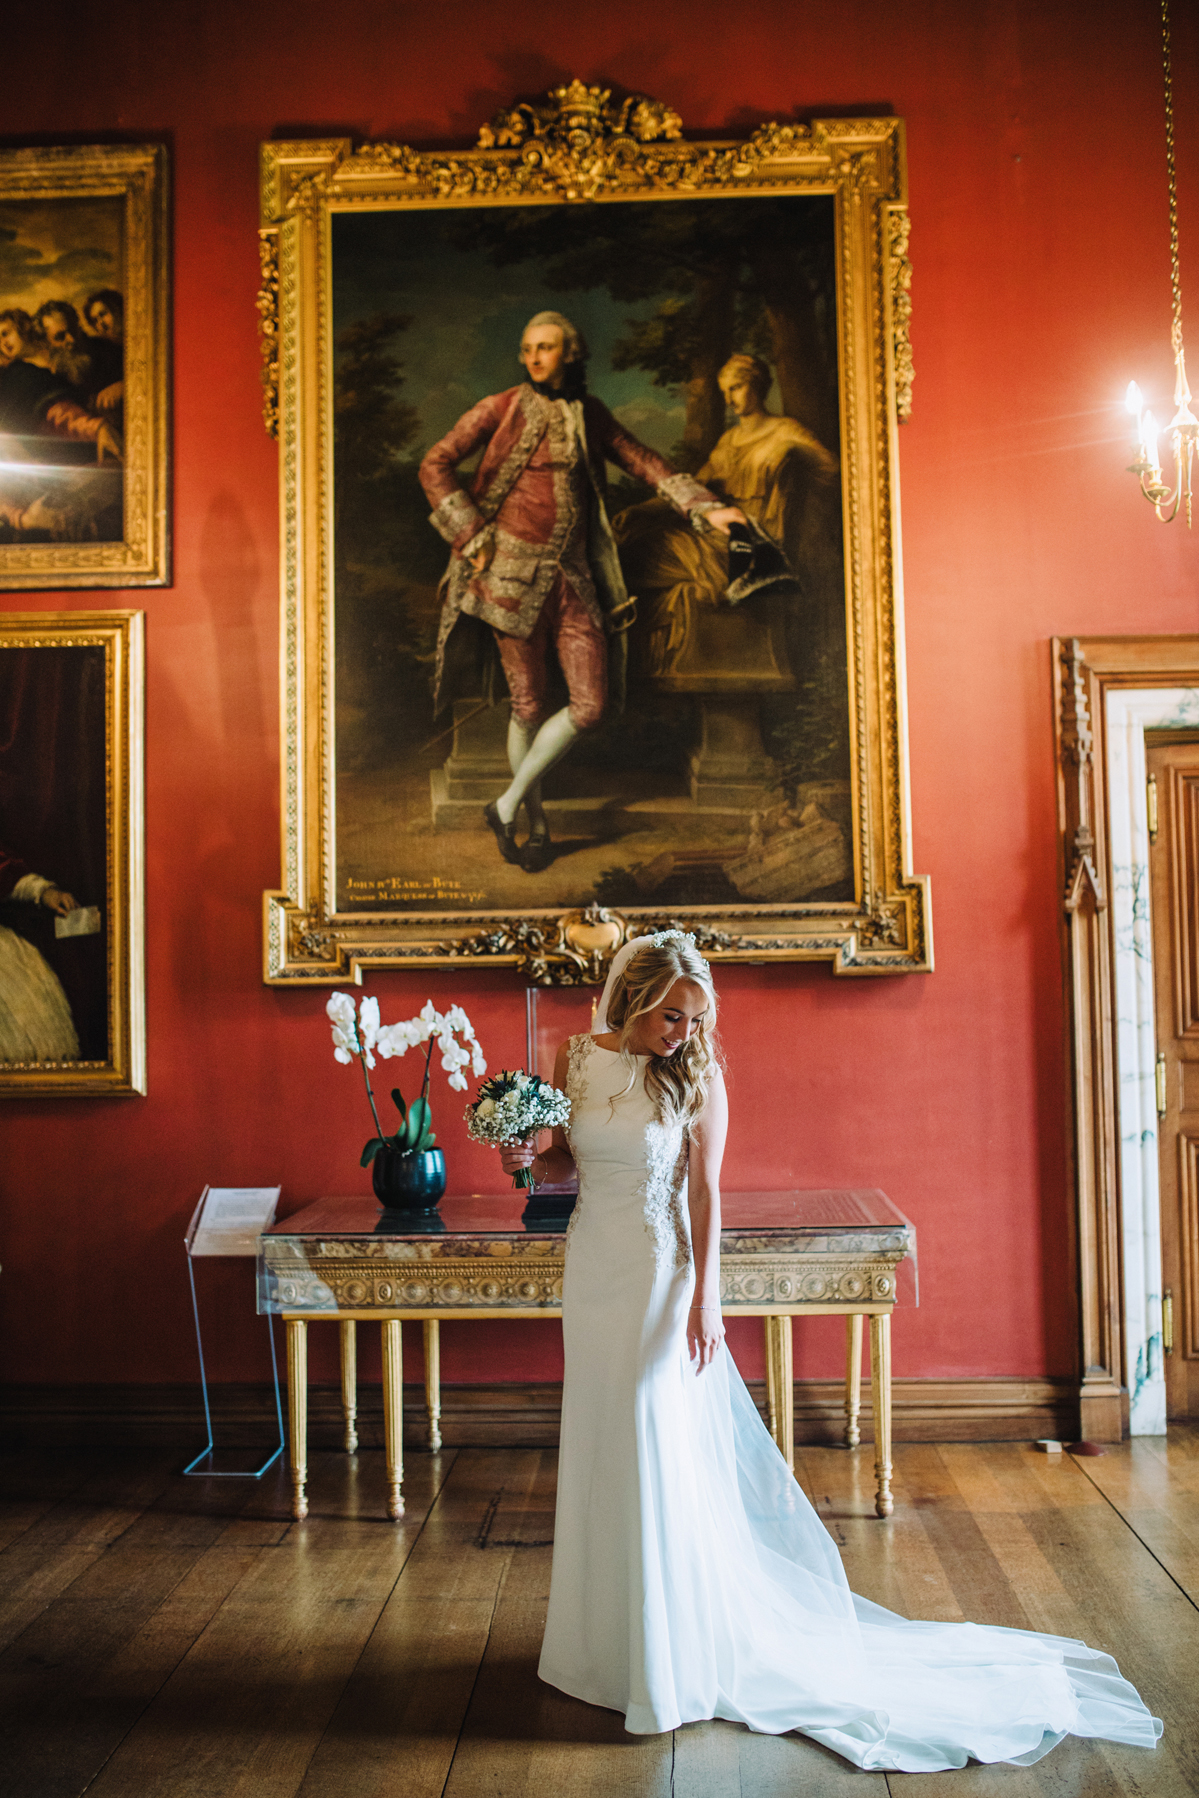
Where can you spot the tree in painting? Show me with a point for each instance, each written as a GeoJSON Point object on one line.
{"type": "Point", "coordinates": [754, 277]}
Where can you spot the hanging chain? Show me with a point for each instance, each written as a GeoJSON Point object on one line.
{"type": "Point", "coordinates": [1175, 276]}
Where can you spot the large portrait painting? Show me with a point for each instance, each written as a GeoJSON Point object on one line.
{"type": "Point", "coordinates": [590, 607]}
{"type": "Point", "coordinates": [71, 985]}
{"type": "Point", "coordinates": [83, 401]}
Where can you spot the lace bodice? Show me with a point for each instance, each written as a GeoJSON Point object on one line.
{"type": "Point", "coordinates": [620, 1147]}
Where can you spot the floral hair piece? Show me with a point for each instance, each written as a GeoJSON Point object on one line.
{"type": "Point", "coordinates": [669, 936]}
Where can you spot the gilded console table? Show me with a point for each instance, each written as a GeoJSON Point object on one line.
{"type": "Point", "coordinates": [782, 1255]}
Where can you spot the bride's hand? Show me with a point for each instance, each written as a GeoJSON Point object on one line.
{"type": "Point", "coordinates": [705, 1333]}
{"type": "Point", "coordinates": [517, 1155]}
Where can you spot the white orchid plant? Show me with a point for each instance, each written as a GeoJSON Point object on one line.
{"type": "Point", "coordinates": [358, 1035]}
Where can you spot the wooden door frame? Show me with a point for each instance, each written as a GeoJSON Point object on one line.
{"type": "Point", "coordinates": [1085, 669]}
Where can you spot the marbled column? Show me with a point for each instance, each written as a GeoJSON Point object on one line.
{"type": "Point", "coordinates": [1129, 714]}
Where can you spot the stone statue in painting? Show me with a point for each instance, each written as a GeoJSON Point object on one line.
{"type": "Point", "coordinates": [785, 482]}
{"type": "Point", "coordinates": [534, 563]}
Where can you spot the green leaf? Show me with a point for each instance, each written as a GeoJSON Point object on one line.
{"type": "Point", "coordinates": [371, 1150]}
{"type": "Point", "coordinates": [398, 1101]}
{"type": "Point", "coordinates": [417, 1132]}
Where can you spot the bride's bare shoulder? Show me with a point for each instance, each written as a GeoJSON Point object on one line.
{"type": "Point", "coordinates": [716, 1104]}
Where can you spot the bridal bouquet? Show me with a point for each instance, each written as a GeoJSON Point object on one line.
{"type": "Point", "coordinates": [511, 1108]}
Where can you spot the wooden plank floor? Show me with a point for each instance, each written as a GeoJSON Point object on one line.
{"type": "Point", "coordinates": [163, 1637]}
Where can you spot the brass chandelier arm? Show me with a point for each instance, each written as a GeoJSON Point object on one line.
{"type": "Point", "coordinates": [1172, 183]}
{"type": "Point", "coordinates": [1183, 429]}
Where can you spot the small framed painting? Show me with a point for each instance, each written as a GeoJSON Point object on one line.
{"type": "Point", "coordinates": [72, 1001]}
{"type": "Point", "coordinates": [83, 367]}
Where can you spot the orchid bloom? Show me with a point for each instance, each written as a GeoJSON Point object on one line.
{"type": "Point", "coordinates": [340, 1012]}
{"type": "Point", "coordinates": [396, 1039]}
{"type": "Point", "coordinates": [368, 1027]}
{"type": "Point", "coordinates": [361, 1035]}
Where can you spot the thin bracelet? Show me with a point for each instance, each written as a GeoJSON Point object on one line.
{"type": "Point", "coordinates": [545, 1164]}
{"type": "Point", "coordinates": [703, 1307]}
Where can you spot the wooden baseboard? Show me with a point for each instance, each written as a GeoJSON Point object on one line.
{"type": "Point", "coordinates": [504, 1416]}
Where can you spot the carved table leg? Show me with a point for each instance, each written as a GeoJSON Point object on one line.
{"type": "Point", "coordinates": [349, 1381]}
{"type": "Point", "coordinates": [880, 1389]}
{"type": "Point", "coordinates": [433, 1380]}
{"type": "Point", "coordinates": [393, 1414]}
{"type": "Point", "coordinates": [853, 1378]}
{"type": "Point", "coordinates": [780, 1386]}
{"type": "Point", "coordinates": [297, 1412]}
{"type": "Point", "coordinates": [772, 1401]}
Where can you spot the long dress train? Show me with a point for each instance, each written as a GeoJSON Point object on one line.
{"type": "Point", "coordinates": [691, 1577]}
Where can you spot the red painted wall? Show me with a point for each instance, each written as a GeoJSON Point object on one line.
{"type": "Point", "coordinates": [1039, 239]}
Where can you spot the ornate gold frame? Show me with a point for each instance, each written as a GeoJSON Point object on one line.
{"type": "Point", "coordinates": [580, 145]}
{"type": "Point", "coordinates": [121, 635]}
{"type": "Point", "coordinates": [138, 173]}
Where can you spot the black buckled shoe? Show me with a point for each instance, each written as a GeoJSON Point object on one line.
{"type": "Point", "coordinates": [505, 834]}
{"type": "Point", "coordinates": [537, 853]}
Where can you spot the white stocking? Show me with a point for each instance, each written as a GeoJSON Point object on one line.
{"type": "Point", "coordinates": [548, 747]}
{"type": "Point", "coordinates": [521, 738]}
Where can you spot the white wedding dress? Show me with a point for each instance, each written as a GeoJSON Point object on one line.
{"type": "Point", "coordinates": [691, 1577]}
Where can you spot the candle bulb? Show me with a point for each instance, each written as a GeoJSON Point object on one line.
{"type": "Point", "coordinates": [1149, 440]}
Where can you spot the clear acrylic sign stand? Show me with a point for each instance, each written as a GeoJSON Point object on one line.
{"type": "Point", "coordinates": [228, 1221]}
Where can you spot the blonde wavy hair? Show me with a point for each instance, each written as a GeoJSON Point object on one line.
{"type": "Point", "coordinates": [678, 1084]}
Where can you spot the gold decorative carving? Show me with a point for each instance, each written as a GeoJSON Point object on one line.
{"type": "Point", "coordinates": [326, 1283]}
{"type": "Point", "coordinates": [1077, 746]}
{"type": "Point", "coordinates": [268, 327]}
{"type": "Point", "coordinates": [901, 313]}
{"type": "Point", "coordinates": [579, 145]}
{"type": "Point", "coordinates": [308, 939]}
{"type": "Point", "coordinates": [576, 145]}
{"type": "Point", "coordinates": [570, 948]}
{"type": "Point", "coordinates": [577, 138]}
{"type": "Point", "coordinates": [796, 1279]}
{"type": "Point", "coordinates": [883, 924]}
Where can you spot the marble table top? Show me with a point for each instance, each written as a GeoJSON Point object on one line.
{"type": "Point", "coordinates": [347, 1253]}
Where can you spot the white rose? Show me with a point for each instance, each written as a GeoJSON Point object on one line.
{"type": "Point", "coordinates": [486, 1108]}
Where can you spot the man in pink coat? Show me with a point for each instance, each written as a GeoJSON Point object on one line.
{"type": "Point", "coordinates": [533, 555]}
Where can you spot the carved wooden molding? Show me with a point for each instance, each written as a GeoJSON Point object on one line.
{"type": "Point", "coordinates": [1084, 670]}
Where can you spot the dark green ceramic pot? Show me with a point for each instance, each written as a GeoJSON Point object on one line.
{"type": "Point", "coordinates": [411, 1180]}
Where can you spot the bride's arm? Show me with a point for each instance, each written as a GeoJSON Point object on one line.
{"type": "Point", "coordinates": [555, 1164]}
{"type": "Point", "coordinates": [705, 1327]}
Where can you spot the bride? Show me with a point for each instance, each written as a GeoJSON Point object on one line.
{"type": "Point", "coordinates": [691, 1577]}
